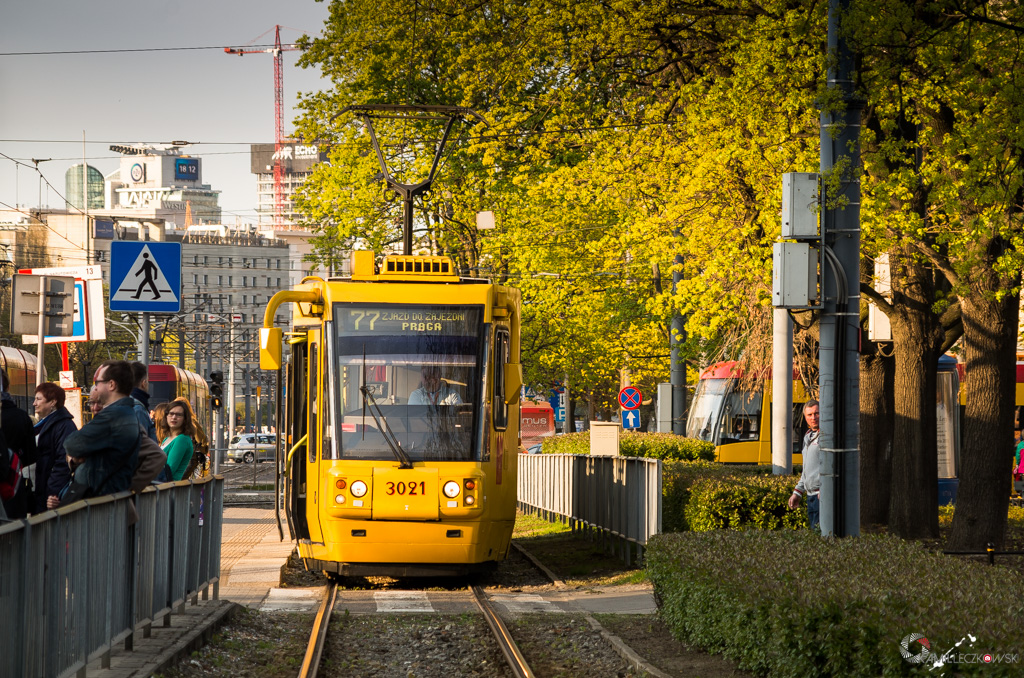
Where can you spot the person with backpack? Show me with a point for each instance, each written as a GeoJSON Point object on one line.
{"type": "Point", "coordinates": [107, 446]}
{"type": "Point", "coordinates": [152, 462]}
{"type": "Point", "coordinates": [20, 453]}
{"type": "Point", "coordinates": [54, 426]}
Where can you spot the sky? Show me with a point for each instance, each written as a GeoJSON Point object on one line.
{"type": "Point", "coordinates": [218, 101]}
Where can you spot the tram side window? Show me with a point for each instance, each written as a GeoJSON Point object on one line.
{"type": "Point", "coordinates": [501, 348]}
{"type": "Point", "coordinates": [799, 428]}
{"type": "Point", "coordinates": [742, 417]}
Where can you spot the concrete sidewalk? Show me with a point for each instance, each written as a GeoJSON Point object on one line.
{"type": "Point", "coordinates": [252, 555]}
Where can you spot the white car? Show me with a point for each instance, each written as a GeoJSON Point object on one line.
{"type": "Point", "coordinates": [250, 447]}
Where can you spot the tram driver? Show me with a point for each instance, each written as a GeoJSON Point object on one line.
{"type": "Point", "coordinates": [435, 390]}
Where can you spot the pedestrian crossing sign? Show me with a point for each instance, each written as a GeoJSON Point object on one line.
{"type": "Point", "coordinates": [145, 276]}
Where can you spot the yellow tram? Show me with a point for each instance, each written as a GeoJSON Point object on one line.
{"type": "Point", "coordinates": [401, 411]}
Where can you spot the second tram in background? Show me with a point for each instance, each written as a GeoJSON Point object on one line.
{"type": "Point", "coordinates": [738, 420]}
{"type": "Point", "coordinates": [402, 417]}
{"type": "Point", "coordinates": [21, 371]}
{"type": "Point", "coordinates": [167, 382]}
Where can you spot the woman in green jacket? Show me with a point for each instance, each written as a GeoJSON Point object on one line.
{"type": "Point", "coordinates": [178, 443]}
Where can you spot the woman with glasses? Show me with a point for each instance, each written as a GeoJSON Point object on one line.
{"type": "Point", "coordinates": [178, 441]}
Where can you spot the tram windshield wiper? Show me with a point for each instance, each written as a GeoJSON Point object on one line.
{"type": "Point", "coordinates": [385, 430]}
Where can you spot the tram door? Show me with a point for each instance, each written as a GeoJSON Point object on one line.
{"type": "Point", "coordinates": [297, 422]}
{"type": "Point", "coordinates": [317, 432]}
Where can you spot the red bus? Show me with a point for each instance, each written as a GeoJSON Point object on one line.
{"type": "Point", "coordinates": [537, 422]}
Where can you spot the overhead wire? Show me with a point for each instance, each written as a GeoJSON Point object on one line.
{"type": "Point", "coordinates": [124, 50]}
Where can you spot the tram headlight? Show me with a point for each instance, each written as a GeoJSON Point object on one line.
{"type": "Point", "coordinates": [451, 489]}
{"type": "Point", "coordinates": [470, 500]}
{"type": "Point", "coordinates": [358, 488]}
{"type": "Point", "coordinates": [340, 499]}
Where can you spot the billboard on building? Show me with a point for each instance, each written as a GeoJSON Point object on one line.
{"type": "Point", "coordinates": [103, 228]}
{"type": "Point", "coordinates": [186, 169]}
{"type": "Point", "coordinates": [295, 157]}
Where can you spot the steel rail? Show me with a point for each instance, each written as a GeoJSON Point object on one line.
{"type": "Point", "coordinates": [509, 648]}
{"type": "Point", "coordinates": [315, 648]}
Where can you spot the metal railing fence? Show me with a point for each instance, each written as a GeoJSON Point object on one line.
{"type": "Point", "coordinates": [618, 497]}
{"type": "Point", "coordinates": [77, 580]}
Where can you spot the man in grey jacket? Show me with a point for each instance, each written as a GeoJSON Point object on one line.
{"type": "Point", "coordinates": [810, 479]}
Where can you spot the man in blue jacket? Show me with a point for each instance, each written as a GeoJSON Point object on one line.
{"type": "Point", "coordinates": [54, 426]}
{"type": "Point", "coordinates": [108, 446]}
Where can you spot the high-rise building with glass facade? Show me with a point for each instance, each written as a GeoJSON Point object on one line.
{"type": "Point", "coordinates": [73, 187]}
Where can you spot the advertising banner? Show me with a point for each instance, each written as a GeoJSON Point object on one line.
{"type": "Point", "coordinates": [294, 157]}
{"type": "Point", "coordinates": [186, 169]}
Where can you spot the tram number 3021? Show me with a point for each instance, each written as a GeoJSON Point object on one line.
{"type": "Point", "coordinates": [419, 488]}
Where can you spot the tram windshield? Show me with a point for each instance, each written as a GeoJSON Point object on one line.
{"type": "Point", "coordinates": [721, 413]}
{"type": "Point", "coordinates": [407, 376]}
{"type": "Point", "coordinates": [706, 408]}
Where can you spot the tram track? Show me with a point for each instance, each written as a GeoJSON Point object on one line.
{"type": "Point", "coordinates": [513, 655]}
{"type": "Point", "coordinates": [318, 636]}
{"type": "Point", "coordinates": [511, 651]}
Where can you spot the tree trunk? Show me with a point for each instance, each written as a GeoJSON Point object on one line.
{"type": "Point", "coordinates": [990, 344]}
{"type": "Point", "coordinates": [876, 428]}
{"type": "Point", "coordinates": [917, 341]}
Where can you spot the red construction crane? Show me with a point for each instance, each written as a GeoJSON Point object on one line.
{"type": "Point", "coordinates": [276, 50]}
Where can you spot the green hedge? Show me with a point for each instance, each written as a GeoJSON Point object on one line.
{"type": "Point", "coordinates": [789, 603]}
{"type": "Point", "coordinates": [569, 443]}
{"type": "Point", "coordinates": [665, 446]}
{"type": "Point", "coordinates": [735, 502]}
{"type": "Point", "coordinates": [680, 477]}
{"type": "Point", "coordinates": [648, 445]}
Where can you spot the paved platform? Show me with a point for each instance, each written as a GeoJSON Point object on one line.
{"type": "Point", "coordinates": [252, 557]}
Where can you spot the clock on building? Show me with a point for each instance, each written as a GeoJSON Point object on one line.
{"type": "Point", "coordinates": [138, 172]}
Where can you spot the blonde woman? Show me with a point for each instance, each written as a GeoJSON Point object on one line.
{"type": "Point", "coordinates": [178, 443]}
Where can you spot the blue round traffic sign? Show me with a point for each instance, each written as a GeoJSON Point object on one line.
{"type": "Point", "coordinates": [630, 398]}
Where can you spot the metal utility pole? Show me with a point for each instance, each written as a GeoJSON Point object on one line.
{"type": "Point", "coordinates": [782, 392]}
{"type": "Point", "coordinates": [568, 421]}
{"type": "Point", "coordinates": [231, 379]}
{"type": "Point", "coordinates": [248, 397]}
{"type": "Point", "coordinates": [41, 332]}
{"type": "Point", "coordinates": [144, 340]}
{"type": "Point", "coordinates": [85, 204]}
{"type": "Point", "coordinates": [837, 357]}
{"type": "Point", "coordinates": [677, 337]}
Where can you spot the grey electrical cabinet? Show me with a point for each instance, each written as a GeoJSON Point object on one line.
{"type": "Point", "coordinates": [800, 206]}
{"type": "Point", "coordinates": [794, 275]}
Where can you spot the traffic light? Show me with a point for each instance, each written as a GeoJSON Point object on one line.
{"type": "Point", "coordinates": [216, 389]}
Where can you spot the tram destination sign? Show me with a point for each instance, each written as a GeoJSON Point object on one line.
{"type": "Point", "coordinates": [397, 320]}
